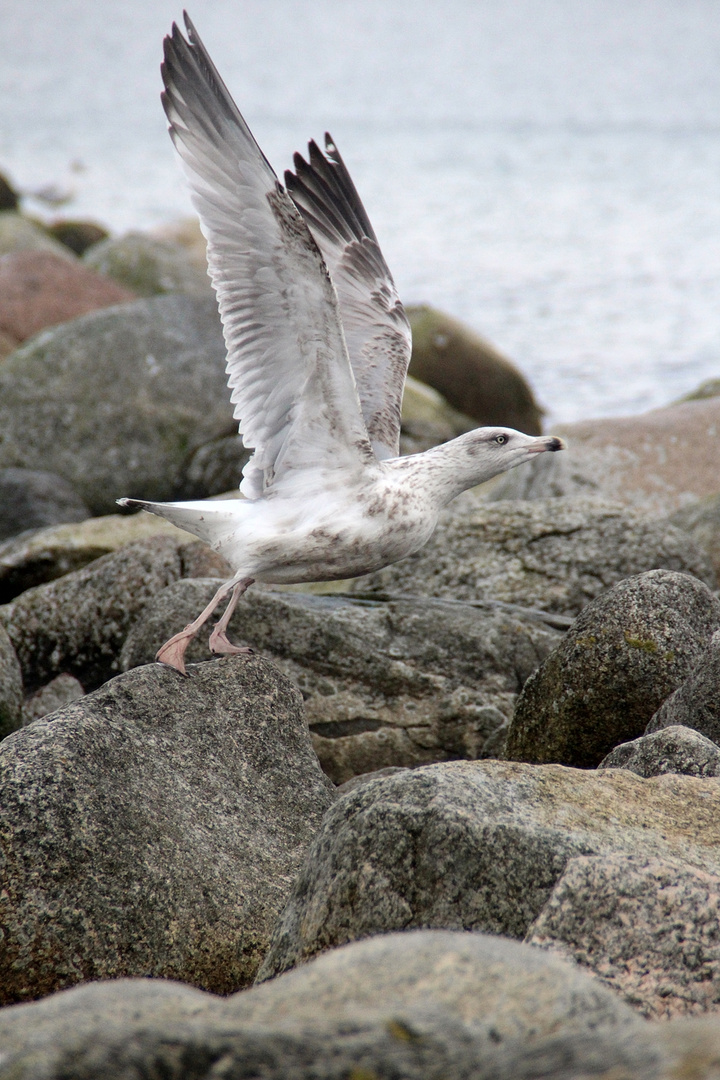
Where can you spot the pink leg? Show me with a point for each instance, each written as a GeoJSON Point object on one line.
{"type": "Point", "coordinates": [173, 651]}
{"type": "Point", "coordinates": [219, 642]}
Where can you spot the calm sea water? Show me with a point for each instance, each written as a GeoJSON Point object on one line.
{"type": "Point", "coordinates": [547, 170]}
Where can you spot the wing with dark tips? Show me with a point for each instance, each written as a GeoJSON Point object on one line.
{"type": "Point", "coordinates": [288, 368]}
{"type": "Point", "coordinates": [377, 332]}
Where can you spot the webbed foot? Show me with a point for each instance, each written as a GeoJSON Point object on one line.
{"type": "Point", "coordinates": [173, 651]}
{"type": "Point", "coordinates": [221, 645]}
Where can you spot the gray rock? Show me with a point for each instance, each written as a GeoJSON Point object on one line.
{"type": "Point", "coordinates": [19, 233]}
{"type": "Point", "coordinates": [426, 1046]}
{"type": "Point", "coordinates": [701, 520]}
{"type": "Point", "coordinates": [499, 987]}
{"type": "Point", "coordinates": [116, 400]}
{"type": "Point", "coordinates": [479, 846]}
{"type": "Point", "coordinates": [375, 1046]}
{"type": "Point", "coordinates": [215, 467]}
{"type": "Point", "coordinates": [42, 555]}
{"type": "Point", "coordinates": [38, 1039]}
{"type": "Point", "coordinates": [695, 704]}
{"type": "Point", "coordinates": [385, 684]}
{"type": "Point", "coordinates": [647, 927]}
{"type": "Point", "coordinates": [673, 749]}
{"type": "Point", "coordinates": [78, 623]}
{"type": "Point", "coordinates": [148, 266]}
{"type": "Point", "coordinates": [48, 699]}
{"type": "Point", "coordinates": [421, 1005]}
{"type": "Point", "coordinates": [154, 828]}
{"type": "Point", "coordinates": [554, 554]}
{"type": "Point", "coordinates": [136, 1027]}
{"type": "Point", "coordinates": [625, 654]}
{"type": "Point", "coordinates": [31, 499]}
{"type": "Point", "coordinates": [148, 1027]}
{"type": "Point", "coordinates": [11, 686]}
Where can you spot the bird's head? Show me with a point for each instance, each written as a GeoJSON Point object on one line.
{"type": "Point", "coordinates": [505, 447]}
{"type": "Point", "coordinates": [486, 452]}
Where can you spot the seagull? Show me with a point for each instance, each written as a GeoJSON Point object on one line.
{"type": "Point", "coordinates": [318, 346]}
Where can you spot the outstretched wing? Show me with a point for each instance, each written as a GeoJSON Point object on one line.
{"type": "Point", "coordinates": [377, 331]}
{"type": "Point", "coordinates": [287, 363]}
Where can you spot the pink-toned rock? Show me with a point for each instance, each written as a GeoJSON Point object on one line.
{"type": "Point", "coordinates": [39, 289]}
{"type": "Point", "coordinates": [647, 927]}
{"type": "Point", "coordinates": [666, 455]}
{"type": "Point", "coordinates": [658, 461]}
{"type": "Point", "coordinates": [8, 344]}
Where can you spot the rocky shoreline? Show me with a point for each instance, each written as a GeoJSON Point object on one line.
{"type": "Point", "coordinates": [459, 818]}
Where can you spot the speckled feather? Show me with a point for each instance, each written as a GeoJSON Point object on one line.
{"type": "Point", "coordinates": [317, 352]}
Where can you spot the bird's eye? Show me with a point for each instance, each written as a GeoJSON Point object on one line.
{"type": "Point", "coordinates": [500, 439]}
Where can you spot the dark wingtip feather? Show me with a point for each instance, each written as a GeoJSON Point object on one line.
{"type": "Point", "coordinates": [334, 165]}
{"type": "Point", "coordinates": [189, 25]}
{"type": "Point", "coordinates": [195, 90]}
{"type": "Point", "coordinates": [322, 189]}
{"type": "Point", "coordinates": [174, 52]}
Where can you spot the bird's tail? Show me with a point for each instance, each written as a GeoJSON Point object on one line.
{"type": "Point", "coordinates": [215, 522]}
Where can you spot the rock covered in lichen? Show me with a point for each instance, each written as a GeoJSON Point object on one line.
{"type": "Point", "coordinates": [624, 655]}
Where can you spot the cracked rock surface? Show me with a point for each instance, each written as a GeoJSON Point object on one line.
{"type": "Point", "coordinates": [557, 554]}
{"type": "Point", "coordinates": [400, 683]}
{"type": "Point", "coordinates": [77, 624]}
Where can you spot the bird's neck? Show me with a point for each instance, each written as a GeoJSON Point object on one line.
{"type": "Point", "coordinates": [447, 470]}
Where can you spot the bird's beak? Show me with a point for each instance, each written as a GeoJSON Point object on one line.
{"type": "Point", "coordinates": [546, 442]}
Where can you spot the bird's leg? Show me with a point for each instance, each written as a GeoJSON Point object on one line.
{"type": "Point", "coordinates": [219, 642]}
{"type": "Point", "coordinates": [173, 651]}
